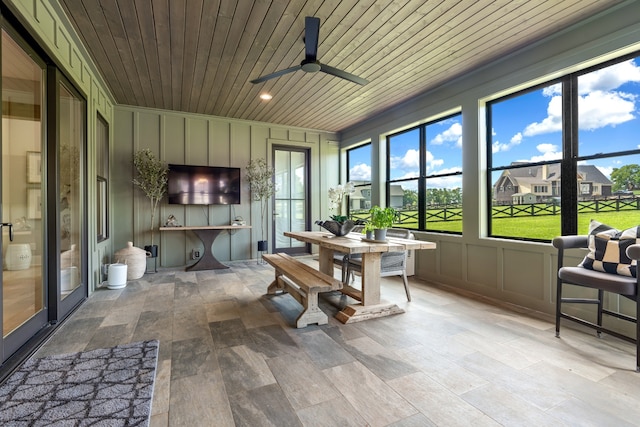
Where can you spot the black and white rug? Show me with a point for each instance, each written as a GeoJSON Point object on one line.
{"type": "Point", "coordinates": [105, 387]}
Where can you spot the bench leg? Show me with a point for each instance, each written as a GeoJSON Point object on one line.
{"type": "Point", "coordinates": [276, 286]}
{"type": "Point", "coordinates": [311, 312]}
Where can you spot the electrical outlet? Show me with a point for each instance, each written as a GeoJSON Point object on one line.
{"type": "Point", "coordinates": [195, 254]}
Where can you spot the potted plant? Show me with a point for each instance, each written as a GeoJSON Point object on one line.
{"type": "Point", "coordinates": [381, 219]}
{"type": "Point", "coordinates": [152, 180]}
{"type": "Point", "coordinates": [262, 185]}
{"type": "Point", "coordinates": [368, 230]}
{"type": "Point", "coordinates": [339, 225]}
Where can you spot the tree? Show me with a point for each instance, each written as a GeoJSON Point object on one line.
{"type": "Point", "coordinates": [151, 179]}
{"type": "Point", "coordinates": [260, 176]}
{"type": "Point", "coordinates": [626, 177]}
{"type": "Point", "coordinates": [410, 198]}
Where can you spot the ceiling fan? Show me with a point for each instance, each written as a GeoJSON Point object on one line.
{"type": "Point", "coordinates": [310, 63]}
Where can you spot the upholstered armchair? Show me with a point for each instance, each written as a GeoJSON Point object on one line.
{"type": "Point", "coordinates": [391, 263]}
{"type": "Point", "coordinates": [587, 275]}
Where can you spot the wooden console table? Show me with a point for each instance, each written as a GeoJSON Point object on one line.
{"type": "Point", "coordinates": [207, 234]}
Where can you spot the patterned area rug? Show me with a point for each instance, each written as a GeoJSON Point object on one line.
{"type": "Point", "coordinates": [105, 387]}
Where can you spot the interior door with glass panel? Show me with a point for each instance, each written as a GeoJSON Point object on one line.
{"type": "Point", "coordinates": [291, 200]}
{"type": "Point", "coordinates": [24, 309]}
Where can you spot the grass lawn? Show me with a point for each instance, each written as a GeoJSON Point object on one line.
{"type": "Point", "coordinates": [542, 227]}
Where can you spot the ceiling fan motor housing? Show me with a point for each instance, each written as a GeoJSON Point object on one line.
{"type": "Point", "coordinates": [310, 66]}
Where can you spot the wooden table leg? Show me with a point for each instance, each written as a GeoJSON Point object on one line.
{"type": "Point", "coordinates": [370, 306]}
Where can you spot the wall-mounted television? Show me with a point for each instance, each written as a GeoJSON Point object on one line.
{"type": "Point", "coordinates": [203, 185]}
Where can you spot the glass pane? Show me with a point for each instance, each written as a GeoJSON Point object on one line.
{"type": "Point", "coordinates": [443, 205]}
{"type": "Point", "coordinates": [298, 167]}
{"type": "Point", "coordinates": [71, 141]}
{"type": "Point", "coordinates": [526, 202]}
{"type": "Point", "coordinates": [409, 210]}
{"type": "Point", "coordinates": [607, 109]}
{"type": "Point", "coordinates": [282, 219]}
{"type": "Point", "coordinates": [297, 220]}
{"type": "Point", "coordinates": [444, 147]}
{"type": "Point", "coordinates": [608, 191]}
{"type": "Point", "coordinates": [282, 174]}
{"type": "Point", "coordinates": [22, 191]}
{"type": "Point", "coordinates": [404, 155]}
{"type": "Point", "coordinates": [102, 172]}
{"type": "Point", "coordinates": [527, 127]}
{"type": "Point", "coordinates": [359, 165]}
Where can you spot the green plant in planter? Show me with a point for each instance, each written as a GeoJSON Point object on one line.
{"type": "Point", "coordinates": [382, 218]}
{"type": "Point", "coordinates": [151, 179]}
{"type": "Point", "coordinates": [368, 227]}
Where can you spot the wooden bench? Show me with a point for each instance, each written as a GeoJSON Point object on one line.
{"type": "Point", "coordinates": [302, 282]}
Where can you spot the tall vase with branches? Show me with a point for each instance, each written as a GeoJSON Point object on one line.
{"type": "Point", "coordinates": [261, 182]}
{"type": "Point", "coordinates": [151, 179]}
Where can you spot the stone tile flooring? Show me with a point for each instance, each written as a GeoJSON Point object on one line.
{"type": "Point", "coordinates": [229, 356]}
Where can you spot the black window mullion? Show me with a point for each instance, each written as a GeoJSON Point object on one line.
{"type": "Point", "coordinates": [422, 182]}
{"type": "Point", "coordinates": [569, 165]}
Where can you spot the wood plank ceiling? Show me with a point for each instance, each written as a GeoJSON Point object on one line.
{"type": "Point", "coordinates": [200, 55]}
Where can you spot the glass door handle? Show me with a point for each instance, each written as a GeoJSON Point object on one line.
{"type": "Point", "coordinates": [8, 224]}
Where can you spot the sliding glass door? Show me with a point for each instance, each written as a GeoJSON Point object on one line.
{"type": "Point", "coordinates": [69, 198]}
{"type": "Point", "coordinates": [22, 279]}
{"type": "Point", "coordinates": [43, 207]}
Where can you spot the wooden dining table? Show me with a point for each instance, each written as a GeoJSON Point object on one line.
{"type": "Point", "coordinates": [370, 304]}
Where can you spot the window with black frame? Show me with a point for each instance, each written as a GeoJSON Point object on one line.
{"type": "Point", "coordinates": [424, 175]}
{"type": "Point", "coordinates": [102, 177]}
{"type": "Point", "coordinates": [566, 152]}
{"type": "Point", "coordinates": [359, 173]}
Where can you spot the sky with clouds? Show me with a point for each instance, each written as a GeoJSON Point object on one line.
{"type": "Point", "coordinates": [607, 119]}
{"type": "Point", "coordinates": [528, 128]}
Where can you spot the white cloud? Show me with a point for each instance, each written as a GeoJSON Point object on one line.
{"type": "Point", "coordinates": [445, 170]}
{"type": "Point", "coordinates": [548, 152]}
{"type": "Point", "coordinates": [453, 134]}
{"type": "Point", "coordinates": [606, 171]}
{"type": "Point", "coordinates": [454, 181]}
{"type": "Point", "coordinates": [599, 104]}
{"type": "Point", "coordinates": [546, 148]}
{"type": "Point", "coordinates": [609, 78]}
{"type": "Point", "coordinates": [432, 162]}
{"type": "Point", "coordinates": [552, 90]}
{"type": "Point", "coordinates": [360, 172]}
{"type": "Point", "coordinates": [515, 140]}
{"type": "Point", "coordinates": [411, 159]}
{"type": "Point", "coordinates": [553, 121]}
{"type": "Point", "coordinates": [599, 109]}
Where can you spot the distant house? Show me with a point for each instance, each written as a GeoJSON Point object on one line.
{"type": "Point", "coordinates": [361, 198]}
{"type": "Point", "coordinates": [542, 184]}
{"type": "Point", "coordinates": [396, 196]}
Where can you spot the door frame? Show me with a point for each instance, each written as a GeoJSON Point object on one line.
{"type": "Point", "coordinates": [306, 249]}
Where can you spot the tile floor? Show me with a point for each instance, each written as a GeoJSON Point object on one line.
{"type": "Point", "coordinates": [229, 356]}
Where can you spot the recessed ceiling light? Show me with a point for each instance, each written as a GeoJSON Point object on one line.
{"type": "Point", "coordinates": [265, 96]}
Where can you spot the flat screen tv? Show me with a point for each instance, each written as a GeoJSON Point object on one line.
{"type": "Point", "coordinates": [203, 185]}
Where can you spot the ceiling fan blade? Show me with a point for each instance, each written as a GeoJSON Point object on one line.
{"type": "Point", "coordinates": [343, 74]}
{"type": "Point", "coordinates": [311, 34]}
{"type": "Point", "coordinates": [276, 74]}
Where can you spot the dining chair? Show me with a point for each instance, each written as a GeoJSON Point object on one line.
{"type": "Point", "coordinates": [597, 271]}
{"type": "Point", "coordinates": [391, 263]}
